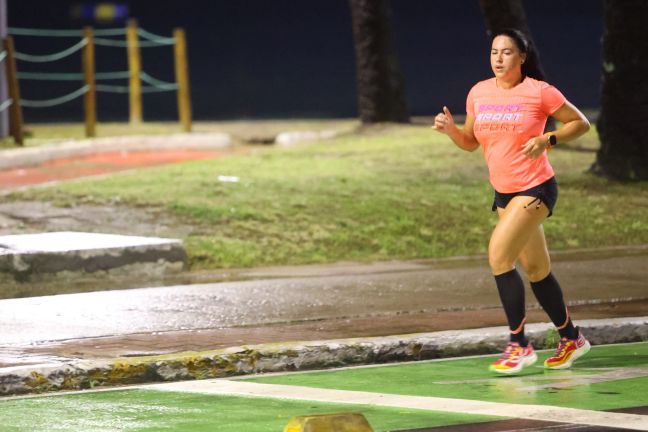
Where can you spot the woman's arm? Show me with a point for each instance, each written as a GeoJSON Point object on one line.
{"type": "Point", "coordinates": [574, 125]}
{"type": "Point", "coordinates": [464, 139]}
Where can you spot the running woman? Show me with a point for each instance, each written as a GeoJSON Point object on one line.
{"type": "Point", "coordinates": [506, 116]}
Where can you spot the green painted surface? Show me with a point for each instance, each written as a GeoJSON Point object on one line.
{"type": "Point", "coordinates": [623, 370]}
{"type": "Point", "coordinates": [470, 379]}
{"type": "Point", "coordinates": [148, 410]}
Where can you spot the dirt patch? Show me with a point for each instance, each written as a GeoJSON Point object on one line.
{"type": "Point", "coordinates": [23, 217]}
{"type": "Point", "coordinates": [35, 217]}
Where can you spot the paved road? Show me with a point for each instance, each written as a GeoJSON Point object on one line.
{"type": "Point", "coordinates": [315, 294]}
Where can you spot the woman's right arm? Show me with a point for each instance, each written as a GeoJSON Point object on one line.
{"type": "Point", "coordinates": [463, 138]}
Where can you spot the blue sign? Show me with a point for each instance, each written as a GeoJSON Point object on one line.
{"type": "Point", "coordinates": [104, 13]}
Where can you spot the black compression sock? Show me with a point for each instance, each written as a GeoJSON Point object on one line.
{"type": "Point", "coordinates": [550, 297]}
{"type": "Point", "coordinates": [520, 338]}
{"type": "Point", "coordinates": [511, 291]}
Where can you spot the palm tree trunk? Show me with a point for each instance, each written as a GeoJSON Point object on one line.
{"type": "Point", "coordinates": [381, 94]}
{"type": "Point", "coordinates": [623, 121]}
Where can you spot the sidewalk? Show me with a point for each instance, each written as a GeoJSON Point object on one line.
{"type": "Point", "coordinates": [291, 318]}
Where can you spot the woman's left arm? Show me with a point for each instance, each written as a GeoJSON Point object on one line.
{"type": "Point", "coordinates": [574, 125]}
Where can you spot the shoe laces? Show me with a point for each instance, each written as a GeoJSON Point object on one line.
{"type": "Point", "coordinates": [513, 349]}
{"type": "Point", "coordinates": [562, 346]}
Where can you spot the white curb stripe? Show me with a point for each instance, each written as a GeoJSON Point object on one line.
{"type": "Point", "coordinates": [463, 406]}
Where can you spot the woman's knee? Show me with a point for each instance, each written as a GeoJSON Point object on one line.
{"type": "Point", "coordinates": [534, 258]}
{"type": "Point", "coordinates": [500, 260]}
{"type": "Point", "coordinates": [535, 270]}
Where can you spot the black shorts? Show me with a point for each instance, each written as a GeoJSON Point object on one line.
{"type": "Point", "coordinates": [546, 192]}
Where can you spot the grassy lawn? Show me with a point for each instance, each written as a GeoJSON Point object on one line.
{"type": "Point", "coordinates": [390, 192]}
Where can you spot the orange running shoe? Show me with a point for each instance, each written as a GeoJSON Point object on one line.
{"type": "Point", "coordinates": [515, 358]}
{"type": "Point", "coordinates": [567, 352]}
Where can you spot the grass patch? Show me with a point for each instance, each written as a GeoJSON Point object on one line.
{"type": "Point", "coordinates": [387, 193]}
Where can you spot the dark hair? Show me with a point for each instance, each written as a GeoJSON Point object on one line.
{"type": "Point", "coordinates": [531, 66]}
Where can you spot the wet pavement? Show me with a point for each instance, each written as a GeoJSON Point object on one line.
{"type": "Point", "coordinates": [304, 303]}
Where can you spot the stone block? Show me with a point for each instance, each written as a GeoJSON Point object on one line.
{"type": "Point", "coordinates": [340, 422]}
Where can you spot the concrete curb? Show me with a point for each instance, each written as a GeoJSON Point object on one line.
{"type": "Point", "coordinates": [296, 356]}
{"type": "Point", "coordinates": [67, 256]}
{"type": "Point", "coordinates": [23, 157]}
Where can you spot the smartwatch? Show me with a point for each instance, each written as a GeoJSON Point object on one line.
{"type": "Point", "coordinates": [552, 140]}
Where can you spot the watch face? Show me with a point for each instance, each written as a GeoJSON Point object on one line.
{"type": "Point", "coordinates": [553, 140]}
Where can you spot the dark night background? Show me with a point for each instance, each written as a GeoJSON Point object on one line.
{"type": "Point", "coordinates": [295, 58]}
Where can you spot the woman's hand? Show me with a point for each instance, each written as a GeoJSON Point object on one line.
{"type": "Point", "coordinates": [464, 139]}
{"type": "Point", "coordinates": [444, 122]}
{"type": "Point", "coordinates": [535, 147]}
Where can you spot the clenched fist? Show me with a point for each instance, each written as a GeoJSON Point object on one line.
{"type": "Point", "coordinates": [444, 121]}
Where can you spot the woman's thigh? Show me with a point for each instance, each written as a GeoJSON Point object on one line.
{"type": "Point", "coordinates": [534, 257]}
{"type": "Point", "coordinates": [517, 225]}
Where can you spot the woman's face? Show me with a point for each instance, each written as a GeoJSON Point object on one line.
{"type": "Point", "coordinates": [506, 58]}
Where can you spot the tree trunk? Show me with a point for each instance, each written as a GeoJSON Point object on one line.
{"type": "Point", "coordinates": [623, 121]}
{"type": "Point", "coordinates": [381, 93]}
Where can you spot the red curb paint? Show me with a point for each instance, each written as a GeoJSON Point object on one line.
{"type": "Point", "coordinates": [103, 163]}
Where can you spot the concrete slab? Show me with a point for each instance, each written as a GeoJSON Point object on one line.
{"type": "Point", "coordinates": [47, 256]}
{"type": "Point", "coordinates": [68, 241]}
